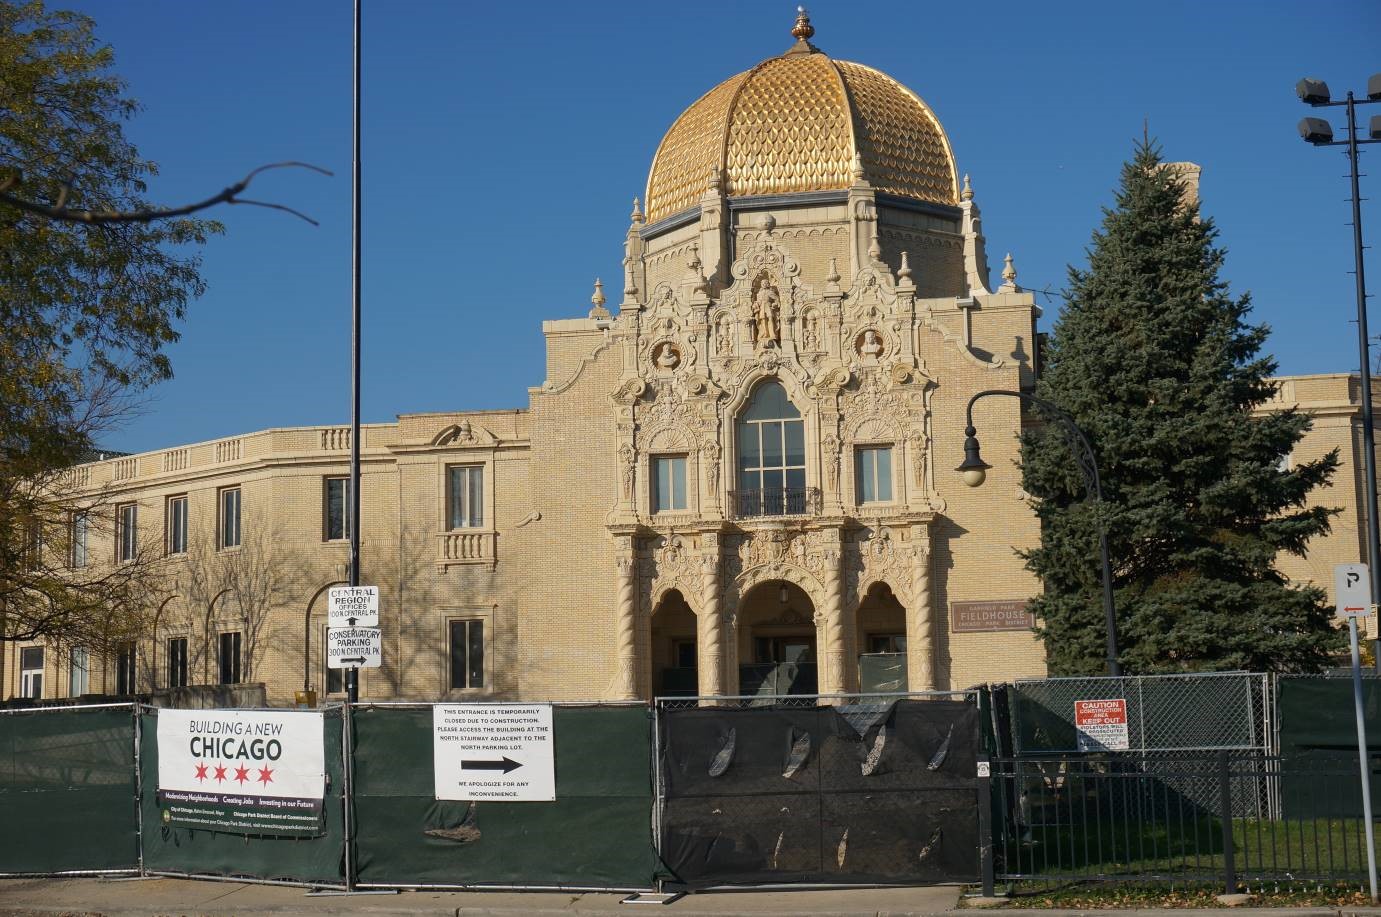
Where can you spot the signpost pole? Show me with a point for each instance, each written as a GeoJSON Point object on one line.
{"type": "Point", "coordinates": [352, 676]}
{"type": "Point", "coordinates": [1362, 761]}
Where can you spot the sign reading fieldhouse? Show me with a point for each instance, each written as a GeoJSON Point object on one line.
{"type": "Point", "coordinates": [498, 752]}
{"type": "Point", "coordinates": [1101, 724]}
{"type": "Point", "coordinates": [242, 771]}
{"type": "Point", "coordinates": [974, 617]}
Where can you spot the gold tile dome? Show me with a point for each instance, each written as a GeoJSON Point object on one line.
{"type": "Point", "coordinates": [795, 123]}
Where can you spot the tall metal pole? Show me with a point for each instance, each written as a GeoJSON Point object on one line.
{"type": "Point", "coordinates": [352, 675]}
{"type": "Point", "coordinates": [1363, 759]}
{"type": "Point", "coordinates": [1364, 350]}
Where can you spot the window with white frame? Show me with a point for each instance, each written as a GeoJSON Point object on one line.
{"type": "Point", "coordinates": [465, 496]}
{"type": "Point", "coordinates": [31, 672]}
{"type": "Point", "coordinates": [177, 662]}
{"type": "Point", "coordinates": [337, 509]}
{"type": "Point", "coordinates": [668, 483]}
{"type": "Point", "coordinates": [78, 535]}
{"type": "Point", "coordinates": [176, 524]}
{"type": "Point", "coordinates": [771, 454]}
{"type": "Point", "coordinates": [127, 531]}
{"type": "Point", "coordinates": [873, 474]}
{"type": "Point", "coordinates": [230, 518]}
{"type": "Point", "coordinates": [78, 672]}
{"type": "Point", "coordinates": [467, 654]}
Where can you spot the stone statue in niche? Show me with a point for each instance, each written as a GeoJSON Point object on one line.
{"type": "Point", "coordinates": [667, 358]}
{"type": "Point", "coordinates": [767, 313]}
{"type": "Point", "coordinates": [724, 338]}
{"type": "Point", "coordinates": [810, 331]}
{"type": "Point", "coordinates": [870, 346]}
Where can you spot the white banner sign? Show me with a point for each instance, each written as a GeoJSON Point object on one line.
{"type": "Point", "coordinates": [499, 752]}
{"type": "Point", "coordinates": [352, 606]}
{"type": "Point", "coordinates": [245, 771]}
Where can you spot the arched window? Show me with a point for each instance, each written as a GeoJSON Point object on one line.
{"type": "Point", "coordinates": [771, 455]}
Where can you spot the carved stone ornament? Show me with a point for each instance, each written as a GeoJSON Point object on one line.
{"type": "Point", "coordinates": [666, 357]}
{"type": "Point", "coordinates": [767, 311]}
{"type": "Point", "coordinates": [869, 346]}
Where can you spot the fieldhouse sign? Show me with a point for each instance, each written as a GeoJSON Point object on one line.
{"type": "Point", "coordinates": [242, 771]}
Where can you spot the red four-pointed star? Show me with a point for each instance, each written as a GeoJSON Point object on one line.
{"type": "Point", "coordinates": [201, 771]}
{"type": "Point", "coordinates": [220, 773]}
{"type": "Point", "coordinates": [242, 774]}
{"type": "Point", "coordinates": [265, 775]}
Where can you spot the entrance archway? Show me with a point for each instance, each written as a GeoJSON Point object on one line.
{"type": "Point", "coordinates": [777, 645]}
{"type": "Point", "coordinates": [673, 647]}
{"type": "Point", "coordinates": [881, 640]}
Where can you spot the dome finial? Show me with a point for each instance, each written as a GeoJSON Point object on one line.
{"type": "Point", "coordinates": [967, 193]}
{"type": "Point", "coordinates": [1009, 276]}
{"type": "Point", "coordinates": [597, 300]}
{"type": "Point", "coordinates": [637, 215]}
{"type": "Point", "coordinates": [802, 29]}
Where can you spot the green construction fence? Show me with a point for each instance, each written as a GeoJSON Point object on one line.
{"type": "Point", "coordinates": [67, 790]}
{"type": "Point", "coordinates": [597, 834]}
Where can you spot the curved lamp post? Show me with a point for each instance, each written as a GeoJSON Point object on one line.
{"type": "Point", "coordinates": [975, 471]}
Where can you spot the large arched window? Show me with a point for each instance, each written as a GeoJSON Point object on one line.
{"type": "Point", "coordinates": [771, 455]}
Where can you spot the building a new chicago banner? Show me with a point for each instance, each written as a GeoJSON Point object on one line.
{"type": "Point", "coordinates": [242, 771]}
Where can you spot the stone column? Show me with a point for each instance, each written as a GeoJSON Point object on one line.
{"type": "Point", "coordinates": [709, 654]}
{"type": "Point", "coordinates": [626, 630]}
{"type": "Point", "coordinates": [920, 623]}
{"type": "Point", "coordinates": [833, 673]}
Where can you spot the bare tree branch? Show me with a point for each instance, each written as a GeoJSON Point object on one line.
{"type": "Point", "coordinates": [59, 211]}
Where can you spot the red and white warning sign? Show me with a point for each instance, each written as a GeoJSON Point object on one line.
{"type": "Point", "coordinates": [1102, 724]}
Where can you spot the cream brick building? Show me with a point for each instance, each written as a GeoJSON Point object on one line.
{"type": "Point", "coordinates": [738, 472]}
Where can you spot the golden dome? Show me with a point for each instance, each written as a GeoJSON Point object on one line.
{"type": "Point", "coordinates": [795, 123]}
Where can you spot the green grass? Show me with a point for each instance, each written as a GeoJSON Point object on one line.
{"type": "Point", "coordinates": [1109, 895]}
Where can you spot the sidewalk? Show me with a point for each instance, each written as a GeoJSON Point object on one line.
{"type": "Point", "coordinates": [160, 897]}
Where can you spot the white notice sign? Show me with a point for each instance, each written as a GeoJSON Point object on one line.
{"type": "Point", "coordinates": [1352, 587]}
{"type": "Point", "coordinates": [1101, 725]}
{"type": "Point", "coordinates": [352, 606]}
{"type": "Point", "coordinates": [497, 752]}
{"type": "Point", "coordinates": [354, 647]}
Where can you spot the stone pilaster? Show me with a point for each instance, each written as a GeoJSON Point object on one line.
{"type": "Point", "coordinates": [710, 626]}
{"type": "Point", "coordinates": [920, 622]}
{"type": "Point", "coordinates": [626, 629]}
{"type": "Point", "coordinates": [830, 634]}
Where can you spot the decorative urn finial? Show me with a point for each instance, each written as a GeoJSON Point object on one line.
{"type": "Point", "coordinates": [802, 29]}
{"type": "Point", "coordinates": [637, 215]}
{"type": "Point", "coordinates": [967, 193]}
{"type": "Point", "coordinates": [598, 300]}
{"type": "Point", "coordinates": [1009, 276]}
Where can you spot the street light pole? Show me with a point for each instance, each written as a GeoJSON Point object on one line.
{"type": "Point", "coordinates": [1320, 133]}
{"type": "Point", "coordinates": [975, 469]}
{"type": "Point", "coordinates": [352, 675]}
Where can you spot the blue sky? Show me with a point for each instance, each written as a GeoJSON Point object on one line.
{"type": "Point", "coordinates": [503, 144]}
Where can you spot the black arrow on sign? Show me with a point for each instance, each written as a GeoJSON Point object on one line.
{"type": "Point", "coordinates": [350, 621]}
{"type": "Point", "coordinates": [359, 659]}
{"type": "Point", "coordinates": [505, 765]}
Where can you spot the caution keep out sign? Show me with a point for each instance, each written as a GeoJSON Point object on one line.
{"type": "Point", "coordinates": [1102, 724]}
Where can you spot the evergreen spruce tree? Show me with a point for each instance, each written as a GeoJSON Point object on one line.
{"type": "Point", "coordinates": [1155, 361]}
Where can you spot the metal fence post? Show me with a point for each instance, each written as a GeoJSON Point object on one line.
{"type": "Point", "coordinates": [1225, 815]}
{"type": "Point", "coordinates": [139, 790]}
{"type": "Point", "coordinates": [985, 825]}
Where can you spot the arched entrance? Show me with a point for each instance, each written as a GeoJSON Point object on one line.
{"type": "Point", "coordinates": [881, 641]}
{"type": "Point", "coordinates": [673, 647]}
{"type": "Point", "coordinates": [777, 647]}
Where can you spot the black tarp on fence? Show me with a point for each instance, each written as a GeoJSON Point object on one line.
{"type": "Point", "coordinates": [596, 834]}
{"type": "Point", "coordinates": [67, 790]}
{"type": "Point", "coordinates": [779, 795]}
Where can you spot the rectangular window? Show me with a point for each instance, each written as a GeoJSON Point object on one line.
{"type": "Point", "coordinates": [81, 528]}
{"type": "Point", "coordinates": [335, 678]}
{"type": "Point", "coordinates": [873, 474]}
{"type": "Point", "coordinates": [229, 658]}
{"type": "Point", "coordinates": [230, 517]}
{"type": "Point", "coordinates": [176, 523]}
{"type": "Point", "coordinates": [465, 496]}
{"type": "Point", "coordinates": [887, 643]}
{"type": "Point", "coordinates": [78, 672]}
{"type": "Point", "coordinates": [177, 662]}
{"type": "Point", "coordinates": [668, 483]}
{"type": "Point", "coordinates": [31, 672]}
{"type": "Point", "coordinates": [467, 654]}
{"type": "Point", "coordinates": [127, 531]}
{"type": "Point", "coordinates": [33, 545]}
{"type": "Point", "coordinates": [337, 527]}
{"type": "Point", "coordinates": [125, 669]}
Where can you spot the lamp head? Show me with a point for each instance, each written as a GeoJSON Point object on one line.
{"type": "Point", "coordinates": [973, 469]}
{"type": "Point", "coordinates": [1374, 130]}
{"type": "Point", "coordinates": [1312, 91]}
{"type": "Point", "coordinates": [1374, 87]}
{"type": "Point", "coordinates": [1315, 130]}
